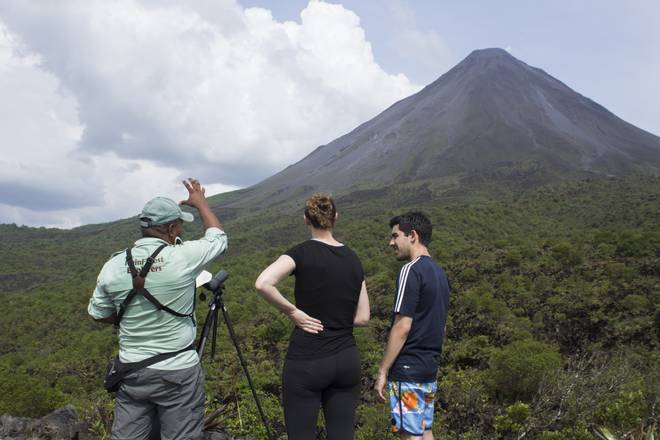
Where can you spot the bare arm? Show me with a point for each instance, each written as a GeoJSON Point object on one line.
{"type": "Point", "coordinates": [197, 199]}
{"type": "Point", "coordinates": [266, 286]}
{"type": "Point", "coordinates": [395, 342]}
{"type": "Point", "coordinates": [362, 312]}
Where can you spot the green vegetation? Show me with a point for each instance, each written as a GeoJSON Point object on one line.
{"type": "Point", "coordinates": [553, 329]}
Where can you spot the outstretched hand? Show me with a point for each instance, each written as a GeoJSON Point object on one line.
{"type": "Point", "coordinates": [195, 193]}
{"type": "Point", "coordinates": [305, 322]}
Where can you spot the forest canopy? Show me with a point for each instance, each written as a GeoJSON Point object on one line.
{"type": "Point", "coordinates": [553, 328]}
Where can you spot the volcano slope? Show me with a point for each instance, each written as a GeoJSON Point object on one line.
{"type": "Point", "coordinates": [491, 116]}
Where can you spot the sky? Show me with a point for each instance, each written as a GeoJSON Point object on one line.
{"type": "Point", "coordinates": [106, 104]}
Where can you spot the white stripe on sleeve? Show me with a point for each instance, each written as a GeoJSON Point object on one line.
{"type": "Point", "coordinates": [403, 278]}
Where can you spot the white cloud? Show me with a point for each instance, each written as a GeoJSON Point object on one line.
{"type": "Point", "coordinates": [39, 129]}
{"type": "Point", "coordinates": [423, 50]}
{"type": "Point", "coordinates": [203, 87]}
{"type": "Point", "coordinates": [124, 186]}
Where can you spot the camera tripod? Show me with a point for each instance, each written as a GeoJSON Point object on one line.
{"type": "Point", "coordinates": [217, 286]}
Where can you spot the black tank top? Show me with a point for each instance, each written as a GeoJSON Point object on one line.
{"type": "Point", "coordinates": [328, 283]}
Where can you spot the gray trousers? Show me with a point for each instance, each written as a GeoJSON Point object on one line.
{"type": "Point", "coordinates": [172, 398]}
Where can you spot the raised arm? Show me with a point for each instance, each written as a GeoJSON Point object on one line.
{"type": "Point", "coordinates": [266, 286]}
{"type": "Point", "coordinates": [197, 199]}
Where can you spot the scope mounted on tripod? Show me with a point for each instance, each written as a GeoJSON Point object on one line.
{"type": "Point", "coordinates": [209, 282]}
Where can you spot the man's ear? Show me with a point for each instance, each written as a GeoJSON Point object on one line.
{"type": "Point", "coordinates": [414, 237]}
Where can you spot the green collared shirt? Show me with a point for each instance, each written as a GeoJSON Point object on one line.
{"type": "Point", "coordinates": [144, 330]}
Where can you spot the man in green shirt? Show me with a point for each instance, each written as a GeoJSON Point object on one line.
{"type": "Point", "coordinates": [170, 392]}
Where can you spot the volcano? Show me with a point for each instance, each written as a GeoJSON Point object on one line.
{"type": "Point", "coordinates": [490, 112]}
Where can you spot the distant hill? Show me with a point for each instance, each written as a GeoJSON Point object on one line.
{"type": "Point", "coordinates": [490, 114]}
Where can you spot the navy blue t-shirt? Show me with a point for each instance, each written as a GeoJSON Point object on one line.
{"type": "Point", "coordinates": [422, 293]}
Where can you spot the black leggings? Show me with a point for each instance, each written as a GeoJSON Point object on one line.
{"type": "Point", "coordinates": [333, 382]}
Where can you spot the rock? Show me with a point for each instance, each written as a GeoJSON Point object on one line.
{"type": "Point", "coordinates": [62, 423]}
{"type": "Point", "coordinates": [62, 417]}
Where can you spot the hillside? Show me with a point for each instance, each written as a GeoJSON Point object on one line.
{"type": "Point", "coordinates": [561, 280]}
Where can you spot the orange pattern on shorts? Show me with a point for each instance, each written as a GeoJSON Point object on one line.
{"type": "Point", "coordinates": [409, 399]}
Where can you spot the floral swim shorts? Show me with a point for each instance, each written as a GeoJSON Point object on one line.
{"type": "Point", "coordinates": [411, 406]}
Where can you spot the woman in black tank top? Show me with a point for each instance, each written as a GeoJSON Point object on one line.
{"type": "Point", "coordinates": [322, 366]}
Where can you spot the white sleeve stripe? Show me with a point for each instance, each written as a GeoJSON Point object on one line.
{"type": "Point", "coordinates": [402, 283]}
{"type": "Point", "coordinates": [403, 279]}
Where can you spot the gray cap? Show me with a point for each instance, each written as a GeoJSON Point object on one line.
{"type": "Point", "coordinates": [161, 210]}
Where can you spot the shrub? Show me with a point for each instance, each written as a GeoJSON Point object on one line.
{"type": "Point", "coordinates": [517, 370]}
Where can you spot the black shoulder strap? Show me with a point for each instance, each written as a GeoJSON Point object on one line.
{"type": "Point", "coordinates": [161, 306]}
{"type": "Point", "coordinates": [138, 279]}
{"type": "Point", "coordinates": [138, 287]}
{"type": "Point", "coordinates": [147, 266]}
{"type": "Point", "coordinates": [131, 264]}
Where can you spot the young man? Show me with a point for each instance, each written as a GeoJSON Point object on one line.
{"type": "Point", "coordinates": [410, 362]}
{"type": "Point", "coordinates": [169, 392]}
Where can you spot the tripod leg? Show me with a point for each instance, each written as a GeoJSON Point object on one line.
{"type": "Point", "coordinates": [215, 333]}
{"type": "Point", "coordinates": [211, 316]}
{"type": "Point", "coordinates": [234, 340]}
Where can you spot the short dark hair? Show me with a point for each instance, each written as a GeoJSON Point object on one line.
{"type": "Point", "coordinates": [147, 231]}
{"type": "Point", "coordinates": [417, 221]}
